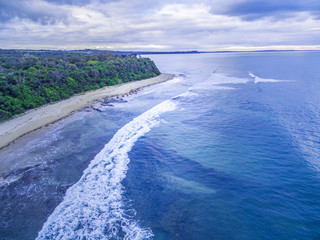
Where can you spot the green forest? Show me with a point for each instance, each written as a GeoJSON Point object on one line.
{"type": "Point", "coordinates": [29, 80]}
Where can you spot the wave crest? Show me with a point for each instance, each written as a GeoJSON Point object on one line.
{"type": "Point", "coordinates": [93, 207]}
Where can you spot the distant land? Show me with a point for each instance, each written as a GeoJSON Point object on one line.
{"type": "Point", "coordinates": [90, 52]}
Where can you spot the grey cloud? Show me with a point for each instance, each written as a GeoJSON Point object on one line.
{"type": "Point", "coordinates": [125, 23]}
{"type": "Point", "coordinates": [36, 11]}
{"type": "Point", "coordinates": [52, 11]}
{"type": "Point", "coordinates": [43, 11]}
{"type": "Point", "coordinates": [79, 2]}
{"type": "Point", "coordinates": [255, 9]}
{"type": "Point", "coordinates": [70, 2]}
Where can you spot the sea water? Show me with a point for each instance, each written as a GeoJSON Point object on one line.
{"type": "Point", "coordinates": [228, 149]}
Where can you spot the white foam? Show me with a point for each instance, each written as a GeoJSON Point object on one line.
{"type": "Point", "coordinates": [252, 75]}
{"type": "Point", "coordinates": [186, 94]}
{"type": "Point", "coordinates": [210, 86]}
{"type": "Point", "coordinates": [218, 78]}
{"type": "Point", "coordinates": [144, 91]}
{"type": "Point", "coordinates": [216, 83]}
{"type": "Point", "coordinates": [93, 207]}
{"type": "Point", "coordinates": [162, 85]}
{"type": "Point", "coordinates": [270, 80]}
{"type": "Point", "coordinates": [174, 80]}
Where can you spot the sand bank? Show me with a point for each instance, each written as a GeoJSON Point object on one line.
{"type": "Point", "coordinates": [37, 118]}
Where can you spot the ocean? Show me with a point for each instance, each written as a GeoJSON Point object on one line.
{"type": "Point", "coordinates": [228, 149]}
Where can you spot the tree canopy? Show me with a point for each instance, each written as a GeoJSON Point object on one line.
{"type": "Point", "coordinates": [31, 80]}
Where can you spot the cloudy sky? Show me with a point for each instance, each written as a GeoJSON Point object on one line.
{"type": "Point", "coordinates": [160, 25]}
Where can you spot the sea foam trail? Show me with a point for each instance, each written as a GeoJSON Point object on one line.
{"type": "Point", "coordinates": [93, 207]}
{"type": "Point", "coordinates": [270, 80]}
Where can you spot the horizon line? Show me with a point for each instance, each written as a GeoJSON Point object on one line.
{"type": "Point", "coordinates": [168, 51]}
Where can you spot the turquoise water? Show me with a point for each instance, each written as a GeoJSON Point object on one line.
{"type": "Point", "coordinates": [229, 149]}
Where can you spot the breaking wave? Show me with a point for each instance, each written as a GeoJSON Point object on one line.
{"type": "Point", "coordinates": [93, 208]}
{"type": "Point", "coordinates": [257, 79]}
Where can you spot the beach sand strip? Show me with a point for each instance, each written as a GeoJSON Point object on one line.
{"type": "Point", "coordinates": [36, 118]}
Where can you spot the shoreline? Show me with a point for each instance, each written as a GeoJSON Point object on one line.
{"type": "Point", "coordinates": [34, 119]}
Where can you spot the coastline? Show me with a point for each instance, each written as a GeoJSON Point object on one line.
{"type": "Point", "coordinates": [34, 119]}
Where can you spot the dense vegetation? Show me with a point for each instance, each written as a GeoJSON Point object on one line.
{"type": "Point", "coordinates": [30, 80]}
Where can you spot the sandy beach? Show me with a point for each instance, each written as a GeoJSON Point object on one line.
{"type": "Point", "coordinates": [37, 118]}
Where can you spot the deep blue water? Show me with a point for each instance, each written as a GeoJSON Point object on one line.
{"type": "Point", "coordinates": [229, 149]}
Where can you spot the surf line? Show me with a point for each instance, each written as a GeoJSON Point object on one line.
{"type": "Point", "coordinates": [93, 207]}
